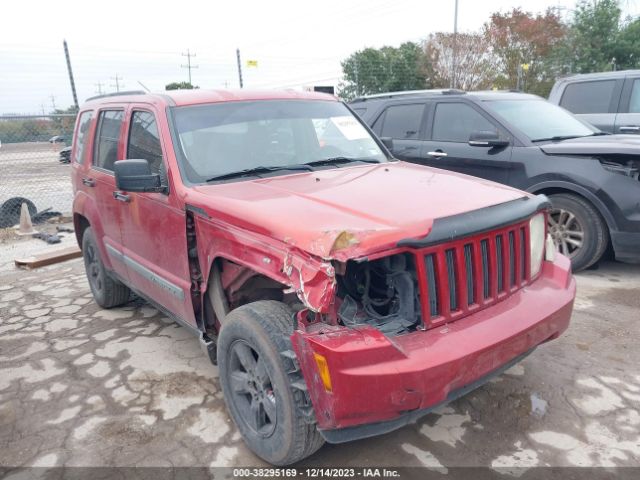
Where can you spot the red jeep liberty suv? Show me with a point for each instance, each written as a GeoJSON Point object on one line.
{"type": "Point", "coordinates": [342, 293]}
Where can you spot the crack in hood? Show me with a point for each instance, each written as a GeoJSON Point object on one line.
{"type": "Point", "coordinates": [349, 212]}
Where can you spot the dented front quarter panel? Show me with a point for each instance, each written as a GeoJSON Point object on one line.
{"type": "Point", "coordinates": [312, 278]}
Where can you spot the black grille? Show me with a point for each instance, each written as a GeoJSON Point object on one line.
{"type": "Point", "coordinates": [468, 262]}
{"type": "Point", "coordinates": [500, 262]}
{"type": "Point", "coordinates": [512, 258]}
{"type": "Point", "coordinates": [433, 285]}
{"type": "Point", "coordinates": [451, 275]}
{"type": "Point", "coordinates": [484, 246]}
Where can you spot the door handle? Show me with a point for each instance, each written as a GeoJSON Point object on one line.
{"type": "Point", "coordinates": [89, 182]}
{"type": "Point", "coordinates": [630, 128]}
{"type": "Point", "coordinates": [437, 154]}
{"type": "Point", "coordinates": [121, 197]}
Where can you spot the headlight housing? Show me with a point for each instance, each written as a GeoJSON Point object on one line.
{"type": "Point", "coordinates": [537, 230]}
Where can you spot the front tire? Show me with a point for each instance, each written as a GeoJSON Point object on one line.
{"type": "Point", "coordinates": [107, 291]}
{"type": "Point", "coordinates": [577, 229]}
{"type": "Point", "coordinates": [262, 384]}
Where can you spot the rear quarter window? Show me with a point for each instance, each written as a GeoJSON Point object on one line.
{"type": "Point", "coordinates": [588, 97]}
{"type": "Point", "coordinates": [82, 136]}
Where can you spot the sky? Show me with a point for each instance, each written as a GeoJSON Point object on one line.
{"type": "Point", "coordinates": [295, 43]}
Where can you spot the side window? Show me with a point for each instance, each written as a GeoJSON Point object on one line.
{"type": "Point", "coordinates": [402, 122]}
{"type": "Point", "coordinates": [144, 140]}
{"type": "Point", "coordinates": [84, 122]}
{"type": "Point", "coordinates": [454, 122]}
{"type": "Point", "coordinates": [588, 97]}
{"type": "Point", "coordinates": [106, 145]}
{"type": "Point", "coordinates": [359, 111]}
{"type": "Point", "coordinates": [634, 102]}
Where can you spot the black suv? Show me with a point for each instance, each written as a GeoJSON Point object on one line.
{"type": "Point", "coordinates": [524, 141]}
{"type": "Point", "coordinates": [608, 100]}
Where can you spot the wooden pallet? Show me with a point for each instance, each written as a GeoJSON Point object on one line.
{"type": "Point", "coordinates": [49, 258]}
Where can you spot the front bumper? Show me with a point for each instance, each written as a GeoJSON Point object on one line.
{"type": "Point", "coordinates": [626, 246]}
{"type": "Point", "coordinates": [380, 383]}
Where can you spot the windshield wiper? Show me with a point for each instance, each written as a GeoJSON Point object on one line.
{"type": "Point", "coordinates": [257, 170]}
{"type": "Point", "coordinates": [338, 160]}
{"type": "Point", "coordinates": [568, 137]}
{"type": "Point", "coordinates": [556, 138]}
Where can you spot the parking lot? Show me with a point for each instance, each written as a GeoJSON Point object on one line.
{"type": "Point", "coordinates": [32, 170]}
{"type": "Point", "coordinates": [81, 386]}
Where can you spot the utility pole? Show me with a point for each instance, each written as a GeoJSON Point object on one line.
{"type": "Point", "coordinates": [116, 85]}
{"type": "Point", "coordinates": [188, 66]}
{"type": "Point", "coordinates": [53, 101]}
{"type": "Point", "coordinates": [99, 90]}
{"type": "Point", "coordinates": [73, 83]}
{"type": "Point", "coordinates": [239, 66]}
{"type": "Point", "coordinates": [42, 106]}
{"type": "Point", "coordinates": [454, 53]}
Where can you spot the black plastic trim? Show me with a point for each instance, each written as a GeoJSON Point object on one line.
{"type": "Point", "coordinates": [479, 221]}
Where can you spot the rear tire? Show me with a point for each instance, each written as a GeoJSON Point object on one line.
{"type": "Point", "coordinates": [107, 291]}
{"type": "Point", "coordinates": [577, 229]}
{"type": "Point", "coordinates": [262, 384]}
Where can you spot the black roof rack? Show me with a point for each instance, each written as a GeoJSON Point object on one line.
{"type": "Point", "coordinates": [409, 93]}
{"type": "Point", "coordinates": [116, 94]}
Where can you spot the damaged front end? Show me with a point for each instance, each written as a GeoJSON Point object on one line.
{"type": "Point", "coordinates": [625, 165]}
{"type": "Point", "coordinates": [381, 293]}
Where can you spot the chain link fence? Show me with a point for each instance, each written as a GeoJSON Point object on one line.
{"type": "Point", "coordinates": [34, 168]}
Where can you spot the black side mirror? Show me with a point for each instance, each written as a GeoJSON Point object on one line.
{"type": "Point", "coordinates": [487, 139]}
{"type": "Point", "coordinates": [136, 176]}
{"type": "Point", "coordinates": [387, 142]}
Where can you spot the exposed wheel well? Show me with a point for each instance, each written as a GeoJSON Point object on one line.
{"type": "Point", "coordinates": [238, 285]}
{"type": "Point", "coordinates": [80, 224]}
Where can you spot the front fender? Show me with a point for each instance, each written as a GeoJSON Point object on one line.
{"type": "Point", "coordinates": [580, 190]}
{"type": "Point", "coordinates": [312, 278]}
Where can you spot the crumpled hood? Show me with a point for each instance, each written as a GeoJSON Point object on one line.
{"type": "Point", "coordinates": [600, 145]}
{"type": "Point", "coordinates": [348, 212]}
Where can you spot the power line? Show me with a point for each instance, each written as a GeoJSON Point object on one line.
{"type": "Point", "coordinates": [117, 85]}
{"type": "Point", "coordinates": [188, 66]}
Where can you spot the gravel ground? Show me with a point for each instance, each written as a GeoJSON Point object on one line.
{"type": "Point", "coordinates": [82, 386]}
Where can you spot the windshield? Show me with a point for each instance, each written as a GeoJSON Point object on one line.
{"type": "Point", "coordinates": [220, 139]}
{"type": "Point", "coordinates": [539, 119]}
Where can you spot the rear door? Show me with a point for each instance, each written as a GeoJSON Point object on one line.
{"type": "Point", "coordinates": [628, 120]}
{"type": "Point", "coordinates": [450, 125]}
{"type": "Point", "coordinates": [404, 123]}
{"type": "Point", "coordinates": [107, 148]}
{"type": "Point", "coordinates": [154, 234]}
{"type": "Point", "coordinates": [595, 101]}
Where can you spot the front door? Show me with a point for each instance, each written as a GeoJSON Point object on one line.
{"type": "Point", "coordinates": [154, 233]}
{"type": "Point", "coordinates": [448, 131]}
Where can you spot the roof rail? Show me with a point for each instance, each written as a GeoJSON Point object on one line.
{"type": "Point", "coordinates": [408, 93]}
{"type": "Point", "coordinates": [116, 94]}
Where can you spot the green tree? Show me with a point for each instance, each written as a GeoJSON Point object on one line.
{"type": "Point", "coordinates": [595, 32]}
{"type": "Point", "coordinates": [525, 44]}
{"type": "Point", "coordinates": [627, 49]}
{"type": "Point", "coordinates": [386, 69]}
{"type": "Point", "coordinates": [180, 86]}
